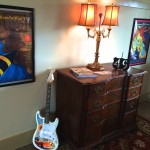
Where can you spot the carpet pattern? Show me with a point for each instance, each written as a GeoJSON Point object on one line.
{"type": "Point", "coordinates": [143, 125]}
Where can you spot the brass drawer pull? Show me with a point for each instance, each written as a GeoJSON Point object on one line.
{"type": "Point", "coordinates": [131, 105]}
{"type": "Point", "coordinates": [135, 80]}
{"type": "Point", "coordinates": [90, 137]}
{"type": "Point", "coordinates": [96, 104]}
{"type": "Point", "coordinates": [96, 118]}
{"type": "Point", "coordinates": [134, 92]}
{"type": "Point", "coordinates": [98, 89]}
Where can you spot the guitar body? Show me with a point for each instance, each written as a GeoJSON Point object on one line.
{"type": "Point", "coordinates": [45, 137]}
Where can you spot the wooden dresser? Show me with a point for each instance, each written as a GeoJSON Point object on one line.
{"type": "Point", "coordinates": [93, 110]}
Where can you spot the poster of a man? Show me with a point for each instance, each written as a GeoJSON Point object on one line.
{"type": "Point", "coordinates": [16, 48]}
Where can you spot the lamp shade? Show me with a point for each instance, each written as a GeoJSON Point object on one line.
{"type": "Point", "coordinates": [87, 15]}
{"type": "Point", "coordinates": [111, 15]}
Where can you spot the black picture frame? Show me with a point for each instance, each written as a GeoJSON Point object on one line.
{"type": "Point", "coordinates": [139, 42]}
{"type": "Point", "coordinates": [17, 64]}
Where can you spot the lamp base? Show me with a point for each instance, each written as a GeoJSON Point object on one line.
{"type": "Point", "coordinates": [95, 66]}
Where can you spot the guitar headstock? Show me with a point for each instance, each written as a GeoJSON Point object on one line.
{"type": "Point", "coordinates": [50, 78]}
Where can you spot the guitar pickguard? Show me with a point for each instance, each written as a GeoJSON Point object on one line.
{"type": "Point", "coordinates": [45, 137]}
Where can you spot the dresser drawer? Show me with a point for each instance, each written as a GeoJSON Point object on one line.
{"type": "Point", "coordinates": [135, 81]}
{"type": "Point", "coordinates": [111, 110]}
{"type": "Point", "coordinates": [97, 89]}
{"type": "Point", "coordinates": [106, 112]}
{"type": "Point", "coordinates": [133, 92]}
{"type": "Point", "coordinates": [129, 118]}
{"type": "Point", "coordinates": [108, 86]}
{"type": "Point", "coordinates": [110, 125]}
{"type": "Point", "coordinates": [96, 103]}
{"type": "Point", "coordinates": [116, 83]}
{"type": "Point", "coordinates": [92, 134]}
{"type": "Point", "coordinates": [94, 118]}
{"type": "Point", "coordinates": [131, 104]}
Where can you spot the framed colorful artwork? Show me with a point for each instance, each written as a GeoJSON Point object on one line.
{"type": "Point", "coordinates": [16, 45]}
{"type": "Point", "coordinates": [139, 43]}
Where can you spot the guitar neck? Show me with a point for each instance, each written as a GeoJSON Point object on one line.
{"type": "Point", "coordinates": [47, 110]}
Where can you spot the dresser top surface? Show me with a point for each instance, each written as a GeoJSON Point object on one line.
{"type": "Point", "coordinates": [102, 78]}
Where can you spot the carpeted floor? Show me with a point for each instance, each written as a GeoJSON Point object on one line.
{"type": "Point", "coordinates": [139, 140]}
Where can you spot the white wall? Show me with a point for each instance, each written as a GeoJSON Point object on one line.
{"type": "Point", "coordinates": [59, 43]}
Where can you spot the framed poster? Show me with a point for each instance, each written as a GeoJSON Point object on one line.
{"type": "Point", "coordinates": [139, 43]}
{"type": "Point", "coordinates": [16, 45]}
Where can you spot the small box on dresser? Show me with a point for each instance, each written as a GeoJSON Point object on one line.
{"type": "Point", "coordinates": [94, 110]}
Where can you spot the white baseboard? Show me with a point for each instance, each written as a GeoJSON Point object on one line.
{"type": "Point", "coordinates": [17, 141]}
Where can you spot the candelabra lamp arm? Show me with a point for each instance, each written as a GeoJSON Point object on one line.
{"type": "Point", "coordinates": [88, 33]}
{"type": "Point", "coordinates": [108, 33]}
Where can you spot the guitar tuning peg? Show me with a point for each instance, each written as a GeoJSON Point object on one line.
{"type": "Point", "coordinates": [50, 78]}
{"type": "Point", "coordinates": [122, 55]}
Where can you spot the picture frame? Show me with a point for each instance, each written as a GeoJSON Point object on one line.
{"type": "Point", "coordinates": [139, 42]}
{"type": "Point", "coordinates": [17, 65]}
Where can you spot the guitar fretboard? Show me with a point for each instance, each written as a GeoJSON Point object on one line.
{"type": "Point", "coordinates": [47, 110]}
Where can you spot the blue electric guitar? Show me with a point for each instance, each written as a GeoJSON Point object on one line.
{"type": "Point", "coordinates": [45, 137]}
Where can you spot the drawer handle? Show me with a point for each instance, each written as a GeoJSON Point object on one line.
{"type": "Point", "coordinates": [98, 89]}
{"type": "Point", "coordinates": [90, 137]}
{"type": "Point", "coordinates": [96, 104]}
{"type": "Point", "coordinates": [131, 105]}
{"type": "Point", "coordinates": [135, 80]}
{"type": "Point", "coordinates": [96, 118]}
{"type": "Point", "coordinates": [133, 93]}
